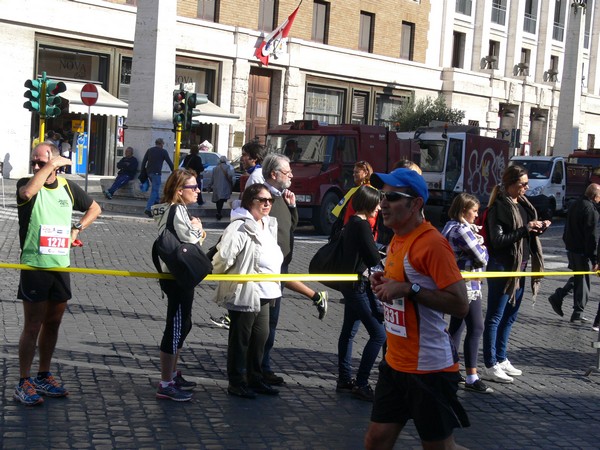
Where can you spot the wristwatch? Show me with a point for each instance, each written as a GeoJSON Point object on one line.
{"type": "Point", "coordinates": [77, 226]}
{"type": "Point", "coordinates": [414, 290]}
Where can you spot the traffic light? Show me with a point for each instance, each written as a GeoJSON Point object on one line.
{"type": "Point", "coordinates": [179, 107]}
{"type": "Point", "coordinates": [201, 99]}
{"type": "Point", "coordinates": [53, 100]}
{"type": "Point", "coordinates": [190, 104]}
{"type": "Point", "coordinates": [34, 94]}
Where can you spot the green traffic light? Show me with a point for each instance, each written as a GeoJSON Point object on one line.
{"type": "Point", "coordinates": [33, 94]}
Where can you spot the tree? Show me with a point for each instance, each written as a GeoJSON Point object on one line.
{"type": "Point", "coordinates": [411, 115]}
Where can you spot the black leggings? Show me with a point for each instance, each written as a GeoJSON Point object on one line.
{"type": "Point", "coordinates": [179, 316]}
{"type": "Point", "coordinates": [474, 323]}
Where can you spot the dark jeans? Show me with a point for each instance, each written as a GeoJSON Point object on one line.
{"type": "Point", "coordinates": [248, 333]}
{"type": "Point", "coordinates": [155, 181]}
{"type": "Point", "coordinates": [581, 283]}
{"type": "Point", "coordinates": [474, 324]}
{"type": "Point", "coordinates": [220, 204]}
{"type": "Point", "coordinates": [274, 309]}
{"type": "Point", "coordinates": [119, 182]}
{"type": "Point", "coordinates": [500, 316]}
{"type": "Point", "coordinates": [357, 310]}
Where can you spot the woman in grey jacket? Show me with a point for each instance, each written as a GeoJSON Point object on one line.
{"type": "Point", "coordinates": [249, 246]}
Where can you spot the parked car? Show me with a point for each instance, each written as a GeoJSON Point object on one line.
{"type": "Point", "coordinates": [239, 171]}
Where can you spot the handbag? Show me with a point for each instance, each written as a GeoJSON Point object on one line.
{"type": "Point", "coordinates": [186, 262]}
{"type": "Point", "coordinates": [330, 259]}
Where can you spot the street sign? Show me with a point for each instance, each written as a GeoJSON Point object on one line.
{"type": "Point", "coordinates": [89, 94]}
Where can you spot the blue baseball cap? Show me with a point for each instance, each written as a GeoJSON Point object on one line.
{"type": "Point", "coordinates": [402, 178]}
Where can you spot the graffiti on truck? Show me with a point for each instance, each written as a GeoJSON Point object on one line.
{"type": "Point", "coordinates": [484, 172]}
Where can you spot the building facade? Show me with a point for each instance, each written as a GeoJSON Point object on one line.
{"type": "Point", "coordinates": [345, 61]}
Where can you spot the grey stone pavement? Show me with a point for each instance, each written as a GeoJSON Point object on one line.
{"type": "Point", "coordinates": [107, 355]}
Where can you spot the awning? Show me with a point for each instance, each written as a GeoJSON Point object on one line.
{"type": "Point", "coordinates": [107, 104]}
{"type": "Point", "coordinates": [211, 113]}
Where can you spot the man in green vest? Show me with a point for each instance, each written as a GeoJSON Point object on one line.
{"type": "Point", "coordinates": [45, 205]}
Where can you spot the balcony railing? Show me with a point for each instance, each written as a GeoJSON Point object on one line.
{"type": "Point", "coordinates": [499, 14]}
{"type": "Point", "coordinates": [464, 7]}
{"type": "Point", "coordinates": [558, 32]}
{"type": "Point", "coordinates": [529, 23]}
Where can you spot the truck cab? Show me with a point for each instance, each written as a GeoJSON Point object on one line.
{"type": "Point", "coordinates": [457, 159]}
{"type": "Point", "coordinates": [547, 183]}
{"type": "Point", "coordinates": [322, 158]}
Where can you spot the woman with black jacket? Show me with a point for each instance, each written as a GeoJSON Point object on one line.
{"type": "Point", "coordinates": [359, 246]}
{"type": "Point", "coordinates": [512, 228]}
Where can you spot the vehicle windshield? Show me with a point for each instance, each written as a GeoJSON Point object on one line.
{"type": "Point", "coordinates": [433, 155]}
{"type": "Point", "coordinates": [209, 158]}
{"type": "Point", "coordinates": [301, 148]}
{"type": "Point", "coordinates": [536, 170]}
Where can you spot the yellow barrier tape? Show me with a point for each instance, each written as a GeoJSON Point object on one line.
{"type": "Point", "coordinates": [280, 277]}
{"type": "Point", "coordinates": [211, 277]}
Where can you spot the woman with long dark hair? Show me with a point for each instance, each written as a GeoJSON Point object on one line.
{"type": "Point", "coordinates": [359, 245]}
{"type": "Point", "coordinates": [513, 230]}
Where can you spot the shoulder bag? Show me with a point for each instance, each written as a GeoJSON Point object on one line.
{"type": "Point", "coordinates": [330, 259]}
{"type": "Point", "coordinates": [186, 262]}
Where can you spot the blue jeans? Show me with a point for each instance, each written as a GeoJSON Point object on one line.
{"type": "Point", "coordinates": [357, 310]}
{"type": "Point", "coordinates": [155, 180]}
{"type": "Point", "coordinates": [500, 316]}
{"type": "Point", "coordinates": [120, 181]}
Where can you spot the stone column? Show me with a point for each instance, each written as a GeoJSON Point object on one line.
{"type": "Point", "coordinates": [150, 113]}
{"type": "Point", "coordinates": [569, 111]}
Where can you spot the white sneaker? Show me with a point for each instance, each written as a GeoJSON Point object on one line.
{"type": "Point", "coordinates": [495, 373]}
{"type": "Point", "coordinates": [509, 369]}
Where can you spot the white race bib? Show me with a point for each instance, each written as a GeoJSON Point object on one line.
{"type": "Point", "coordinates": [395, 319]}
{"type": "Point", "coordinates": [54, 240]}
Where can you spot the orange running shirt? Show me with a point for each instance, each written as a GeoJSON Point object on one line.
{"type": "Point", "coordinates": [417, 336]}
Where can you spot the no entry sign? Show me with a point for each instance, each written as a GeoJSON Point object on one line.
{"type": "Point", "coordinates": [89, 94]}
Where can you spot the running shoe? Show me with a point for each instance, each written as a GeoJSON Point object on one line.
{"type": "Point", "coordinates": [478, 386]}
{"type": "Point", "coordinates": [26, 394]}
{"type": "Point", "coordinates": [49, 386]}
{"type": "Point", "coordinates": [182, 383]}
{"type": "Point", "coordinates": [172, 392]}
{"type": "Point", "coordinates": [321, 304]}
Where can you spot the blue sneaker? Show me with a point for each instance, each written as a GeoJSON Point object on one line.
{"type": "Point", "coordinates": [26, 394]}
{"type": "Point", "coordinates": [49, 386]}
{"type": "Point", "coordinates": [172, 392]}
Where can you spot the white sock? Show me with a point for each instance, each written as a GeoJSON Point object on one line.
{"type": "Point", "coordinates": [164, 384]}
{"type": "Point", "coordinates": [472, 379]}
{"type": "Point", "coordinates": [174, 374]}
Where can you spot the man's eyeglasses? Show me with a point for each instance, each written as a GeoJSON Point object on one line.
{"type": "Point", "coordinates": [193, 187]}
{"type": "Point", "coordinates": [285, 173]}
{"type": "Point", "coordinates": [394, 196]}
{"type": "Point", "coordinates": [40, 164]}
{"type": "Point", "coordinates": [264, 200]}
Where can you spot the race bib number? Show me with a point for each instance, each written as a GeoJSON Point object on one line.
{"type": "Point", "coordinates": [395, 319]}
{"type": "Point", "coordinates": [54, 240]}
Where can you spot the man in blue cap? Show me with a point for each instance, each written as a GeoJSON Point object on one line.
{"type": "Point", "coordinates": [421, 282]}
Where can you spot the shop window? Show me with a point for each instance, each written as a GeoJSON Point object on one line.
{"type": "Point", "coordinates": [208, 10]}
{"type": "Point", "coordinates": [320, 24]}
{"type": "Point", "coordinates": [125, 79]}
{"type": "Point", "coordinates": [385, 107]}
{"type": "Point", "coordinates": [360, 107]}
{"type": "Point", "coordinates": [366, 32]}
{"type": "Point", "coordinates": [324, 104]}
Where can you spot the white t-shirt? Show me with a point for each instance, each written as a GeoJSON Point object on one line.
{"type": "Point", "coordinates": [270, 261]}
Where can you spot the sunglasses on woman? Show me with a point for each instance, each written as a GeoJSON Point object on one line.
{"type": "Point", "coordinates": [264, 200]}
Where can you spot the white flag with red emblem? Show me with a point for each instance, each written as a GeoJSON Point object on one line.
{"type": "Point", "coordinates": [271, 44]}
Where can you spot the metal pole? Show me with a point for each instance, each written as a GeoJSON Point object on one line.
{"type": "Point", "coordinates": [89, 141]}
{"type": "Point", "coordinates": [177, 144]}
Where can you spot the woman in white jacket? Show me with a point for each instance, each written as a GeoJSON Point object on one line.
{"type": "Point", "coordinates": [249, 246]}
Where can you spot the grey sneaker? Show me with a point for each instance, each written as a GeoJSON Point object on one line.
{"type": "Point", "coordinates": [172, 392]}
{"type": "Point", "coordinates": [321, 304]}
